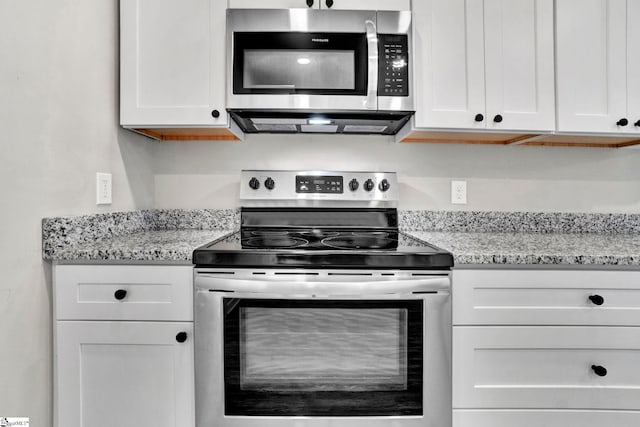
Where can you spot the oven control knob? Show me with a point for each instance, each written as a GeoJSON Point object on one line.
{"type": "Point", "coordinates": [269, 183]}
{"type": "Point", "coordinates": [368, 185]}
{"type": "Point", "coordinates": [384, 185]}
{"type": "Point", "coordinates": [354, 184]}
{"type": "Point", "coordinates": [254, 183]}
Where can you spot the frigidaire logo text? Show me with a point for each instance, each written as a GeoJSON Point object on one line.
{"type": "Point", "coordinates": [320, 40]}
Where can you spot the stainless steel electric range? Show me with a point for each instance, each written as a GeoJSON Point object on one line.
{"type": "Point", "coordinates": [320, 312]}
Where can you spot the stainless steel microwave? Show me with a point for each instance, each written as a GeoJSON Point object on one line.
{"type": "Point", "coordinates": [330, 71]}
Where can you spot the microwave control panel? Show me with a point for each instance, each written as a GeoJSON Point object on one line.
{"type": "Point", "coordinates": [393, 75]}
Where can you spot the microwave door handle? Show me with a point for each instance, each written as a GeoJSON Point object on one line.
{"type": "Point", "coordinates": [371, 102]}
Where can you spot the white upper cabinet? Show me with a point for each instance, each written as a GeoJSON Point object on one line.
{"type": "Point", "coordinates": [633, 65]}
{"type": "Point", "coordinates": [322, 4]}
{"type": "Point", "coordinates": [598, 66]}
{"type": "Point", "coordinates": [484, 64]}
{"type": "Point", "coordinates": [172, 63]}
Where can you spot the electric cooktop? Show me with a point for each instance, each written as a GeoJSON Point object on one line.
{"type": "Point", "coordinates": [311, 219]}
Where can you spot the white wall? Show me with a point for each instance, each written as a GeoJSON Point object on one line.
{"type": "Point", "coordinates": [58, 121]}
{"type": "Point", "coordinates": [504, 178]}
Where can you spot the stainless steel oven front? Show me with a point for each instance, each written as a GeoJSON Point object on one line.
{"type": "Point", "coordinates": [311, 348]}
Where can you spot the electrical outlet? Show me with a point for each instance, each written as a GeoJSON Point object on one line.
{"type": "Point", "coordinates": [459, 192]}
{"type": "Point", "coordinates": [103, 188]}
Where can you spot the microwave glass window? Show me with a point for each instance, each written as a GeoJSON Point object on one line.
{"type": "Point", "coordinates": [322, 349]}
{"type": "Point", "coordinates": [299, 69]}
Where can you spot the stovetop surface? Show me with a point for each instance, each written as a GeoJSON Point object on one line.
{"type": "Point", "coordinates": [318, 248]}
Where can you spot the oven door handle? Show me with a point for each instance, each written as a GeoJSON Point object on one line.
{"type": "Point", "coordinates": [371, 102]}
{"type": "Point", "coordinates": [299, 289]}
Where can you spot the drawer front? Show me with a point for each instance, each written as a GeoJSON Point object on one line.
{"type": "Point", "coordinates": [115, 292]}
{"type": "Point", "coordinates": [528, 418]}
{"type": "Point", "coordinates": [546, 297]}
{"type": "Point", "coordinates": [546, 367]}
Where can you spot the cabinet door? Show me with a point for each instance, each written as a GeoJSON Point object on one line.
{"type": "Point", "coordinates": [591, 64]}
{"type": "Point", "coordinates": [550, 367]}
{"type": "Point", "coordinates": [546, 297]}
{"type": "Point", "coordinates": [172, 62]}
{"type": "Point", "coordinates": [135, 373]}
{"type": "Point", "coordinates": [633, 65]}
{"type": "Point", "coordinates": [542, 418]}
{"type": "Point", "coordinates": [449, 63]}
{"type": "Point", "coordinates": [323, 4]}
{"type": "Point", "coordinates": [366, 5]}
{"type": "Point", "coordinates": [273, 4]}
{"type": "Point", "coordinates": [519, 64]}
{"type": "Point", "coordinates": [123, 292]}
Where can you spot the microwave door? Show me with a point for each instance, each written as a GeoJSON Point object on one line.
{"type": "Point", "coordinates": [325, 67]}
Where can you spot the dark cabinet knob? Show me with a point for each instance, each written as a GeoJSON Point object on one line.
{"type": "Point", "coordinates": [622, 122]}
{"type": "Point", "coordinates": [354, 184]}
{"type": "Point", "coordinates": [254, 184]}
{"type": "Point", "coordinates": [120, 294]}
{"type": "Point", "coordinates": [181, 337]}
{"type": "Point", "coordinates": [497, 118]}
{"type": "Point", "coordinates": [596, 299]}
{"type": "Point", "coordinates": [310, 3]}
{"type": "Point", "coordinates": [269, 183]}
{"type": "Point", "coordinates": [384, 185]}
{"type": "Point", "coordinates": [368, 185]}
{"type": "Point", "coordinates": [215, 114]}
{"type": "Point", "coordinates": [479, 118]}
{"type": "Point", "coordinates": [329, 3]}
{"type": "Point", "coordinates": [600, 371]}
{"type": "Point", "coordinates": [637, 123]}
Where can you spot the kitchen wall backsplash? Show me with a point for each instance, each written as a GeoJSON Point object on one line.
{"type": "Point", "coordinates": [197, 175]}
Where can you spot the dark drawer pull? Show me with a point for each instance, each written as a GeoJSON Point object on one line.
{"type": "Point", "coordinates": [120, 294]}
{"type": "Point", "coordinates": [600, 371]}
{"type": "Point", "coordinates": [596, 299]}
{"type": "Point", "coordinates": [181, 337]}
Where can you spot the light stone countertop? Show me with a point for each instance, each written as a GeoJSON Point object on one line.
{"type": "Point", "coordinates": [474, 238]}
{"type": "Point", "coordinates": [537, 248]}
{"type": "Point", "coordinates": [163, 246]}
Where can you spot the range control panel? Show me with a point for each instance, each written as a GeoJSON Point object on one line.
{"type": "Point", "coordinates": [319, 184]}
{"type": "Point", "coordinates": [393, 75]}
{"type": "Point", "coordinates": [318, 188]}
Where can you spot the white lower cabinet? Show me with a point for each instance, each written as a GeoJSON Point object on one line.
{"type": "Point", "coordinates": [122, 372]}
{"type": "Point", "coordinates": [541, 418]}
{"type": "Point", "coordinates": [546, 348]}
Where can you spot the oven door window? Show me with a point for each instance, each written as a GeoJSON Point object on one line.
{"type": "Point", "coordinates": [300, 63]}
{"type": "Point", "coordinates": [323, 358]}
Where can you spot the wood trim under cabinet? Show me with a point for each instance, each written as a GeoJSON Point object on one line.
{"type": "Point", "coordinates": [189, 134]}
{"type": "Point", "coordinates": [466, 137]}
{"type": "Point", "coordinates": [444, 137]}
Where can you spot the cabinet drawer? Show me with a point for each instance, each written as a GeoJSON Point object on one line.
{"type": "Point", "coordinates": [141, 292]}
{"type": "Point", "coordinates": [528, 418]}
{"type": "Point", "coordinates": [546, 297]}
{"type": "Point", "coordinates": [546, 367]}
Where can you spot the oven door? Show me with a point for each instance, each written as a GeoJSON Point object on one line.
{"type": "Point", "coordinates": [321, 355]}
{"type": "Point", "coordinates": [302, 59]}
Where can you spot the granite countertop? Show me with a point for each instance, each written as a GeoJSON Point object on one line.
{"type": "Point", "coordinates": [489, 238]}
{"type": "Point", "coordinates": [174, 246]}
{"type": "Point", "coordinates": [537, 248]}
